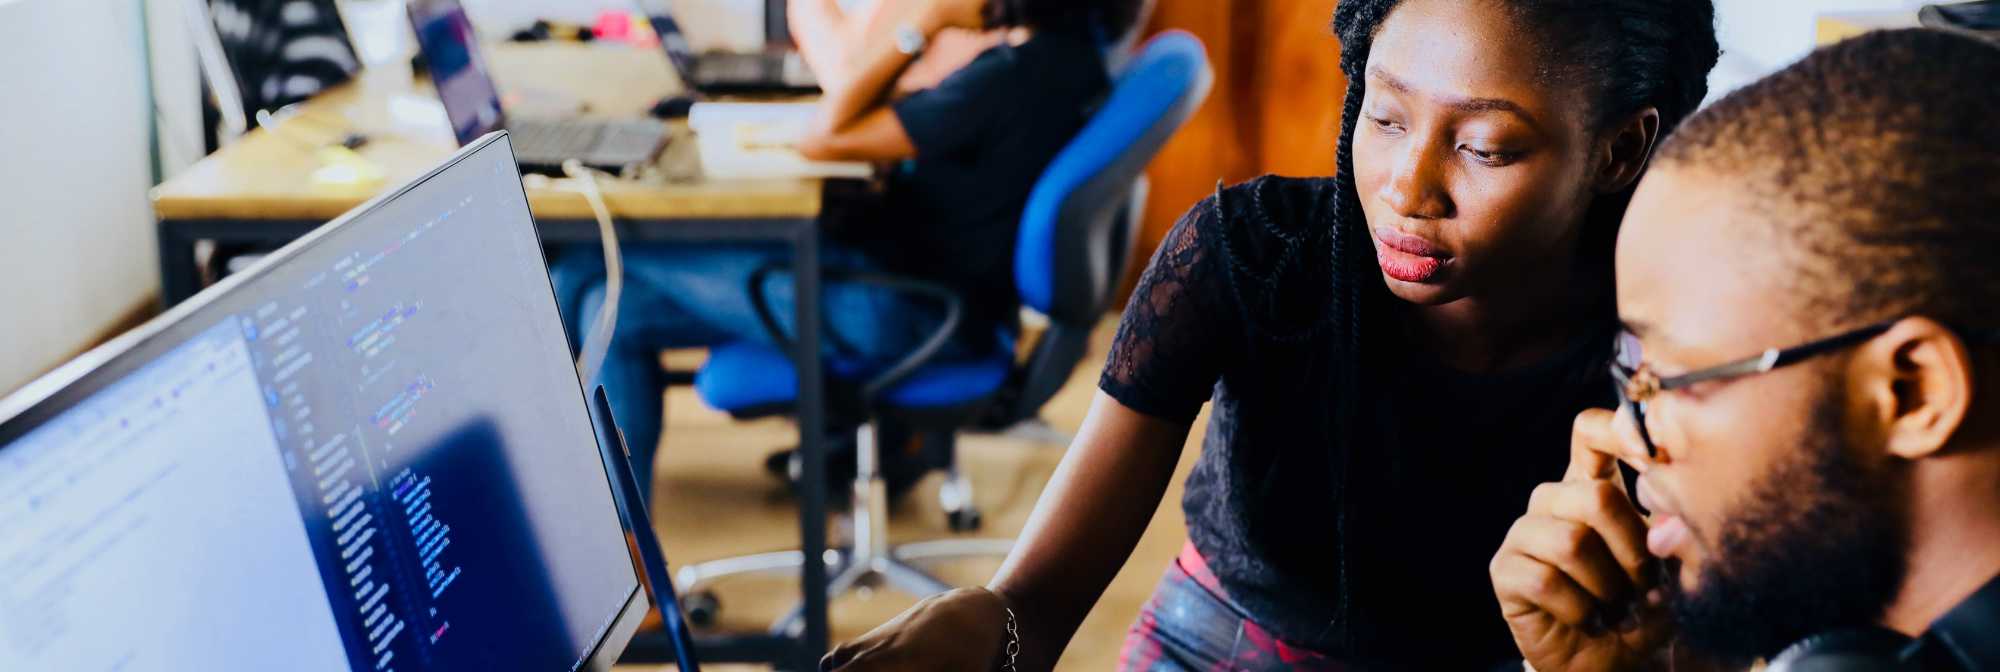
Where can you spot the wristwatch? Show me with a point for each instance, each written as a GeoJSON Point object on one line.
{"type": "Point", "coordinates": [910, 39]}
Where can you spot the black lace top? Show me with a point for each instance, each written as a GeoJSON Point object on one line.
{"type": "Point", "coordinates": [1236, 309]}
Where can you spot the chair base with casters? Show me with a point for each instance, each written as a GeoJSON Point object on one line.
{"type": "Point", "coordinates": [750, 380]}
{"type": "Point", "coordinates": [870, 560]}
{"type": "Point", "coordinates": [939, 454]}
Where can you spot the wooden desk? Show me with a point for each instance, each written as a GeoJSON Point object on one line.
{"type": "Point", "coordinates": [270, 188]}
{"type": "Point", "coordinates": [267, 176]}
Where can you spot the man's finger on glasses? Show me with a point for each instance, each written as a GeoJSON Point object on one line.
{"type": "Point", "coordinates": [1592, 453]}
{"type": "Point", "coordinates": [1627, 444]}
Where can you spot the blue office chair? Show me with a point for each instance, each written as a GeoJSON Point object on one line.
{"type": "Point", "coordinates": [1074, 243]}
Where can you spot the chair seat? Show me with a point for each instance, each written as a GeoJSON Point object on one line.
{"type": "Point", "coordinates": [750, 376]}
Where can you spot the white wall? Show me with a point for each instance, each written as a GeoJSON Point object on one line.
{"type": "Point", "coordinates": [1761, 36]}
{"type": "Point", "coordinates": [76, 241]}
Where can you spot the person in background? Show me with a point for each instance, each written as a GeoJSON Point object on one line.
{"type": "Point", "coordinates": [833, 34]}
{"type": "Point", "coordinates": [1838, 217]}
{"type": "Point", "coordinates": [1393, 358]}
{"type": "Point", "coordinates": [964, 155]}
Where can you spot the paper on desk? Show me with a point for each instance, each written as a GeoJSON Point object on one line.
{"type": "Point", "coordinates": [760, 140]}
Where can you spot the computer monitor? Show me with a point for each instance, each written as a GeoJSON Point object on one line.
{"type": "Point", "coordinates": [464, 83]}
{"type": "Point", "coordinates": [369, 452]}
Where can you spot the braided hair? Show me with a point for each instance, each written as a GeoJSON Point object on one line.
{"type": "Point", "coordinates": [1629, 54]}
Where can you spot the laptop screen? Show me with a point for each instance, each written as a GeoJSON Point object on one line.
{"type": "Point", "coordinates": [675, 43]}
{"type": "Point", "coordinates": [451, 53]}
{"type": "Point", "coordinates": [372, 453]}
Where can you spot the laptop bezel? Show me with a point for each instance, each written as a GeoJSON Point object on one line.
{"type": "Point", "coordinates": [48, 396]}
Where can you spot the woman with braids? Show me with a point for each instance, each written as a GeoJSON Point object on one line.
{"type": "Point", "coordinates": [1394, 357]}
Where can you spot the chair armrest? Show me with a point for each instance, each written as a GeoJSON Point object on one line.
{"type": "Point", "coordinates": [903, 368]}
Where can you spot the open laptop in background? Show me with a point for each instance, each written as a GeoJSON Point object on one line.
{"type": "Point", "coordinates": [369, 452]}
{"type": "Point", "coordinates": [727, 73]}
{"type": "Point", "coordinates": [472, 102]}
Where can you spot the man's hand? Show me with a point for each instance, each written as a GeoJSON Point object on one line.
{"type": "Point", "coordinates": [1574, 579]}
{"type": "Point", "coordinates": [960, 630]}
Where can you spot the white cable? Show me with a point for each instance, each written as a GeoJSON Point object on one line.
{"type": "Point", "coordinates": [274, 123]}
{"type": "Point", "coordinates": [597, 337]}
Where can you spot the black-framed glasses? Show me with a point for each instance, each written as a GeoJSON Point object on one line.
{"type": "Point", "coordinates": [1637, 384]}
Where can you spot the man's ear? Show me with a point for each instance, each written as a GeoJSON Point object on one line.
{"type": "Point", "coordinates": [1623, 153]}
{"type": "Point", "coordinates": [1917, 381]}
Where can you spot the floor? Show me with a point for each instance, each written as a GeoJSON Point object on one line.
{"type": "Point", "coordinates": [714, 500]}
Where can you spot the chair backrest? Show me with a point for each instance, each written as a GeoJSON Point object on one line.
{"type": "Point", "coordinates": [1076, 235]}
{"type": "Point", "coordinates": [1068, 258]}
{"type": "Point", "coordinates": [265, 54]}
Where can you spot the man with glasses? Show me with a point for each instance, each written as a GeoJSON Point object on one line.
{"type": "Point", "coordinates": [1810, 281]}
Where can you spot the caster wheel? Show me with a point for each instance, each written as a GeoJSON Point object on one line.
{"type": "Point", "coordinates": [783, 465]}
{"type": "Point", "coordinates": [964, 520]}
{"type": "Point", "coordinates": [702, 608]}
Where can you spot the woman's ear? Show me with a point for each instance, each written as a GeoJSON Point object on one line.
{"type": "Point", "coordinates": [1623, 153]}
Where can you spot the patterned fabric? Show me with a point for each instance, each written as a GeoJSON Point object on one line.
{"type": "Point", "coordinates": [283, 51]}
{"type": "Point", "coordinates": [1191, 624]}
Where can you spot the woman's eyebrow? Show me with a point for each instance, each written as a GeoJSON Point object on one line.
{"type": "Point", "coordinates": [1464, 105]}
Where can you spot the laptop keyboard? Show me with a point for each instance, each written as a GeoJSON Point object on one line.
{"type": "Point", "coordinates": [641, 134]}
{"type": "Point", "coordinates": [608, 144]}
{"type": "Point", "coordinates": [559, 140]}
{"type": "Point", "coordinates": [733, 68]}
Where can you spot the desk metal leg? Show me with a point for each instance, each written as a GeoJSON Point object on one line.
{"type": "Point", "coordinates": [812, 434]}
{"type": "Point", "coordinates": [179, 278]}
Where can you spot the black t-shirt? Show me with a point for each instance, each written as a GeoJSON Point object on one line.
{"type": "Point", "coordinates": [1236, 309]}
{"type": "Point", "coordinates": [1965, 639]}
{"type": "Point", "coordinates": [983, 137]}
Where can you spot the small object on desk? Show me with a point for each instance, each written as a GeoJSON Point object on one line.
{"type": "Point", "coordinates": [673, 107]}
{"type": "Point", "coordinates": [613, 25]}
{"type": "Point", "coordinates": [342, 167]}
{"type": "Point", "coordinates": [544, 30]}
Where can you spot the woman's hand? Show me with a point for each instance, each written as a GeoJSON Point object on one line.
{"type": "Point", "coordinates": [965, 629]}
{"type": "Point", "coordinates": [1574, 578]}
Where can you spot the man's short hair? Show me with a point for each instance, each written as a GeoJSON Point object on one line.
{"type": "Point", "coordinates": [1878, 159]}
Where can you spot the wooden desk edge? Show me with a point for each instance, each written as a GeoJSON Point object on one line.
{"type": "Point", "coordinates": [803, 202]}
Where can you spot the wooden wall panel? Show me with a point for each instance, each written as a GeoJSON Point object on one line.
{"type": "Point", "coordinates": [1275, 107]}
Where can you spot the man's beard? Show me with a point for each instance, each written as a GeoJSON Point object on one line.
{"type": "Point", "coordinates": [1817, 545]}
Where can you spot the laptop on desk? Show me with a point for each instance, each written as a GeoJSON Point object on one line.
{"type": "Point", "coordinates": [472, 103]}
{"type": "Point", "coordinates": [729, 73]}
{"type": "Point", "coordinates": [369, 452]}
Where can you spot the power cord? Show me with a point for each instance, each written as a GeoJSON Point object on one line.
{"type": "Point", "coordinates": [597, 337]}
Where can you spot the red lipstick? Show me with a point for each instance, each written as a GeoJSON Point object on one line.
{"type": "Point", "coordinates": [1407, 258]}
